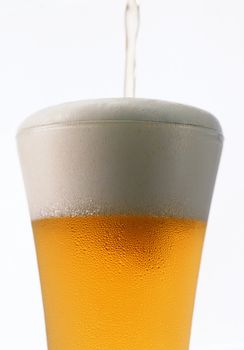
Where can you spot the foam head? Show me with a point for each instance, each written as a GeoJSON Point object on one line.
{"type": "Point", "coordinates": [120, 156]}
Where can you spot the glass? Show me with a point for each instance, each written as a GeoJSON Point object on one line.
{"type": "Point", "coordinates": [119, 194]}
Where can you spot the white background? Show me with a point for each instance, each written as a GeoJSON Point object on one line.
{"type": "Point", "coordinates": [190, 51]}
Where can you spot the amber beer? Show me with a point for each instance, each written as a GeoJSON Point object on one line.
{"type": "Point", "coordinates": [118, 282]}
{"type": "Point", "coordinates": [119, 194]}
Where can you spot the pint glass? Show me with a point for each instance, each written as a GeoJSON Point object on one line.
{"type": "Point", "coordinates": [119, 193]}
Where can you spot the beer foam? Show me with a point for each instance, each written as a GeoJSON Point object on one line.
{"type": "Point", "coordinates": [121, 109]}
{"type": "Point", "coordinates": [120, 156]}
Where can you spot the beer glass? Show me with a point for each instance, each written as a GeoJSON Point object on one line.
{"type": "Point", "coordinates": [119, 192]}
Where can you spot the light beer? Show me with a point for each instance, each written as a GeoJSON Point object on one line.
{"type": "Point", "coordinates": [119, 193]}
{"type": "Point", "coordinates": [118, 282]}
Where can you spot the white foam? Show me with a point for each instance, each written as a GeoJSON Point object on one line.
{"type": "Point", "coordinates": [121, 109]}
{"type": "Point", "coordinates": [120, 156]}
